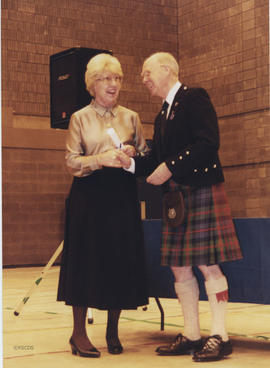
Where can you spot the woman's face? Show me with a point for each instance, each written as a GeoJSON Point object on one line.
{"type": "Point", "coordinates": [107, 88]}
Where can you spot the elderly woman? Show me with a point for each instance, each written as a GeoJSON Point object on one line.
{"type": "Point", "coordinates": [103, 257]}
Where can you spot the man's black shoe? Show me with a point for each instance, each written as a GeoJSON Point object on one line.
{"type": "Point", "coordinates": [213, 349]}
{"type": "Point", "coordinates": [181, 346]}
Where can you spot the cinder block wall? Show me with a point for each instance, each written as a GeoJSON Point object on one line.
{"type": "Point", "coordinates": [35, 181]}
{"type": "Point", "coordinates": [222, 46]}
{"type": "Point", "coordinates": [35, 186]}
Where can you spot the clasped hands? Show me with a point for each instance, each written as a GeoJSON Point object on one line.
{"type": "Point", "coordinates": [159, 176]}
{"type": "Point", "coordinates": [117, 157]}
{"type": "Point", "coordinates": [121, 158]}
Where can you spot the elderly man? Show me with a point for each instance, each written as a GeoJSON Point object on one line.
{"type": "Point", "coordinates": [197, 224]}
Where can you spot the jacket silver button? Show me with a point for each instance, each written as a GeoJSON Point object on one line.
{"type": "Point", "coordinates": [180, 157]}
{"type": "Point", "coordinates": [187, 152]}
{"type": "Point", "coordinates": [195, 170]}
{"type": "Point", "coordinates": [206, 169]}
{"type": "Point", "coordinates": [214, 166]}
{"type": "Point", "coordinates": [173, 162]}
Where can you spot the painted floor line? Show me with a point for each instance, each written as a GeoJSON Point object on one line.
{"type": "Point", "coordinates": [265, 338]}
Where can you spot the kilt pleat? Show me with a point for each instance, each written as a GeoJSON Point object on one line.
{"type": "Point", "coordinates": [207, 235]}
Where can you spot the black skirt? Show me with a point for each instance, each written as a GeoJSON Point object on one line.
{"type": "Point", "coordinates": [103, 260]}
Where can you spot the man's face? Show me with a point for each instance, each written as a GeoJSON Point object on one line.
{"type": "Point", "coordinates": [154, 77]}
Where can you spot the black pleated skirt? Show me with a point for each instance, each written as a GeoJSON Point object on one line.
{"type": "Point", "coordinates": [103, 260]}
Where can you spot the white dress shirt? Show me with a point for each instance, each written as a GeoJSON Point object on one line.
{"type": "Point", "coordinates": [169, 99]}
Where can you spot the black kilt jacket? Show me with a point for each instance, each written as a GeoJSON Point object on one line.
{"type": "Point", "coordinates": [190, 143]}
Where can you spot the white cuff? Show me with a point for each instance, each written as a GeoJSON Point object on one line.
{"type": "Point", "coordinates": [131, 168]}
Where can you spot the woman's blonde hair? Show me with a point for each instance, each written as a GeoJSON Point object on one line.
{"type": "Point", "coordinates": [97, 65]}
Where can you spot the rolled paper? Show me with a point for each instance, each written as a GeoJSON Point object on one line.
{"type": "Point", "coordinates": [115, 138]}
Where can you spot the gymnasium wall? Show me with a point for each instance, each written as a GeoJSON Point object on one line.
{"type": "Point", "coordinates": [221, 45]}
{"type": "Point", "coordinates": [224, 47]}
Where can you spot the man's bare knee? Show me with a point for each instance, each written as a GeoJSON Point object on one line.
{"type": "Point", "coordinates": [182, 273]}
{"type": "Point", "coordinates": [213, 271]}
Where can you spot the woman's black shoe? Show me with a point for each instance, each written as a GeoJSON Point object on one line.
{"type": "Point", "coordinates": [89, 353]}
{"type": "Point", "coordinates": [114, 346]}
{"type": "Point", "coordinates": [115, 349]}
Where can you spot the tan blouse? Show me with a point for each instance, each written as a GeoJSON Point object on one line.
{"type": "Point", "coordinates": [88, 135]}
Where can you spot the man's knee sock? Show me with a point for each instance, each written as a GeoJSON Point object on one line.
{"type": "Point", "coordinates": [188, 295]}
{"type": "Point", "coordinates": [217, 291]}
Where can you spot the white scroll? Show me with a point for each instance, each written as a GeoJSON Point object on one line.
{"type": "Point", "coordinates": [115, 138]}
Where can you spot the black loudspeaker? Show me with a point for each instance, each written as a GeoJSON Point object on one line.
{"type": "Point", "coordinates": [67, 87]}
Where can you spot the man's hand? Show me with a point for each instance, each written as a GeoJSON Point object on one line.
{"type": "Point", "coordinates": [125, 161]}
{"type": "Point", "coordinates": [160, 175]}
{"type": "Point", "coordinates": [129, 150]}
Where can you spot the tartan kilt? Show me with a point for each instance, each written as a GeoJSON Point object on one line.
{"type": "Point", "coordinates": [207, 235]}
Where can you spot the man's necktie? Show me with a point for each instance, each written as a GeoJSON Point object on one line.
{"type": "Point", "coordinates": [163, 119]}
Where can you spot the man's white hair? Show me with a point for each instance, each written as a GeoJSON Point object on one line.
{"type": "Point", "coordinates": [166, 59]}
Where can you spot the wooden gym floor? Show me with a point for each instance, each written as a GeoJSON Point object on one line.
{"type": "Point", "coordinates": [39, 336]}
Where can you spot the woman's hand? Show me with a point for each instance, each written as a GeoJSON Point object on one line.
{"type": "Point", "coordinates": [129, 150]}
{"type": "Point", "coordinates": [113, 158]}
